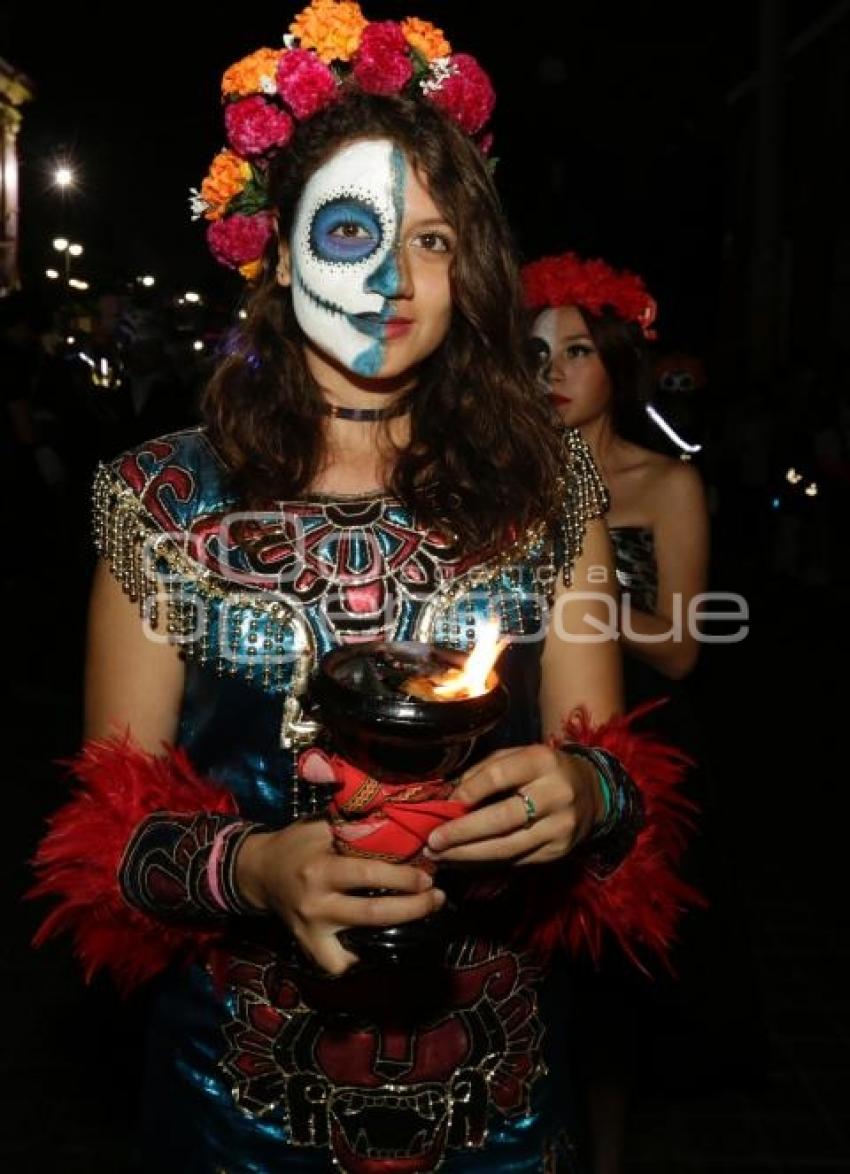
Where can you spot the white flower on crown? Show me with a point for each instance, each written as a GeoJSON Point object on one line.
{"type": "Point", "coordinates": [439, 70]}
{"type": "Point", "coordinates": [197, 204]}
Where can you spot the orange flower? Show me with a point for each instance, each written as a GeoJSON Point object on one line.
{"type": "Point", "coordinates": [251, 270]}
{"type": "Point", "coordinates": [248, 75]}
{"type": "Point", "coordinates": [426, 37]}
{"type": "Point", "coordinates": [332, 27]}
{"type": "Point", "coordinates": [227, 176]}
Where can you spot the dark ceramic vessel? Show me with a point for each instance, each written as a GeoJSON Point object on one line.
{"type": "Point", "coordinates": [400, 738]}
{"type": "Point", "coordinates": [389, 733]}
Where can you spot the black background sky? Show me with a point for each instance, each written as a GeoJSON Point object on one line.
{"type": "Point", "coordinates": [612, 128]}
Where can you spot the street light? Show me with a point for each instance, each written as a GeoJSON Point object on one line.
{"type": "Point", "coordinates": [53, 274]}
{"type": "Point", "coordinates": [148, 280]}
{"type": "Point", "coordinates": [68, 250]}
{"type": "Point", "coordinates": [63, 177]}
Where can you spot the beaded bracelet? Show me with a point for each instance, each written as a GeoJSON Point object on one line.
{"type": "Point", "coordinates": [182, 868]}
{"type": "Point", "coordinates": [605, 789]}
{"type": "Point", "coordinates": [614, 837]}
{"type": "Point", "coordinates": [221, 868]}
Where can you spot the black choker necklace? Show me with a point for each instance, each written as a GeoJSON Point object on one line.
{"type": "Point", "coordinates": [367, 414]}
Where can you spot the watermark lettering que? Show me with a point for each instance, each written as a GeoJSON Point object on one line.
{"type": "Point", "coordinates": [607, 618]}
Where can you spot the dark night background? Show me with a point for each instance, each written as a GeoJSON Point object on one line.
{"type": "Point", "coordinates": [609, 128]}
{"type": "Point", "coordinates": [625, 130]}
{"type": "Point", "coordinates": [705, 147]}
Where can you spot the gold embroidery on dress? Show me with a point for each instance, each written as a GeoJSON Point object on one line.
{"type": "Point", "coordinates": [174, 593]}
{"type": "Point", "coordinates": [263, 635]}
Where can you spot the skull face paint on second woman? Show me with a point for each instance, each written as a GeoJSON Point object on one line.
{"type": "Point", "coordinates": [576, 380]}
{"type": "Point", "coordinates": [369, 261]}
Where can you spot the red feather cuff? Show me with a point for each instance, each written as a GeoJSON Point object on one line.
{"type": "Point", "coordinates": [640, 903]}
{"type": "Point", "coordinates": [78, 859]}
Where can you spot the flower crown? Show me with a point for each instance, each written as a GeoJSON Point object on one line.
{"type": "Point", "coordinates": [569, 281]}
{"type": "Point", "coordinates": [265, 95]}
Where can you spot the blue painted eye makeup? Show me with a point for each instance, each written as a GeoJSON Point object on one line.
{"type": "Point", "coordinates": [345, 268]}
{"type": "Point", "coordinates": [345, 231]}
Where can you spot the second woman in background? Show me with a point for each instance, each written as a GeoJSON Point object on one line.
{"type": "Point", "coordinates": [590, 330]}
{"type": "Point", "coordinates": [589, 333]}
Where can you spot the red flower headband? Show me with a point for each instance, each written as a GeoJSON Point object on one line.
{"type": "Point", "coordinates": [592, 285]}
{"type": "Point", "coordinates": [268, 92]}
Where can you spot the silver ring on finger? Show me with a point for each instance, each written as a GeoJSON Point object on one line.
{"type": "Point", "coordinates": [530, 807]}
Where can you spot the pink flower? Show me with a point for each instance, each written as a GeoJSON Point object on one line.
{"type": "Point", "coordinates": [382, 64]}
{"type": "Point", "coordinates": [467, 95]}
{"type": "Point", "coordinates": [238, 239]}
{"type": "Point", "coordinates": [255, 125]}
{"type": "Point", "coordinates": [305, 83]}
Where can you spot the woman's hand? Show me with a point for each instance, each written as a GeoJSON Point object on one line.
{"type": "Point", "coordinates": [297, 874]}
{"type": "Point", "coordinates": [561, 791]}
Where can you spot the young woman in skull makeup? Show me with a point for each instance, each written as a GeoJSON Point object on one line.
{"type": "Point", "coordinates": [375, 463]}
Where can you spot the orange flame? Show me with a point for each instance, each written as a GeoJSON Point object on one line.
{"type": "Point", "coordinates": [471, 680]}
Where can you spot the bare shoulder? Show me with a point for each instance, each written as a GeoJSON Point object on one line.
{"type": "Point", "coordinates": [678, 477]}
{"type": "Point", "coordinates": [652, 485]}
{"type": "Point", "coordinates": [674, 486]}
{"type": "Point", "coordinates": [655, 471]}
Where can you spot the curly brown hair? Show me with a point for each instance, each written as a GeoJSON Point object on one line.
{"type": "Point", "coordinates": [483, 459]}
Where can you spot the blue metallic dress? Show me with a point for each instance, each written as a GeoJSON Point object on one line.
{"type": "Point", "coordinates": [267, 1065]}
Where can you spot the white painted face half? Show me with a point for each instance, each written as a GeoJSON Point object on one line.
{"type": "Point", "coordinates": [343, 252]}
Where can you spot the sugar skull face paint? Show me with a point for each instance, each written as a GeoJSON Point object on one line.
{"type": "Point", "coordinates": [578, 384]}
{"type": "Point", "coordinates": [344, 253]}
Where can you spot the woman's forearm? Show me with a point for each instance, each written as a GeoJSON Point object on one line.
{"type": "Point", "coordinates": [659, 641]}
